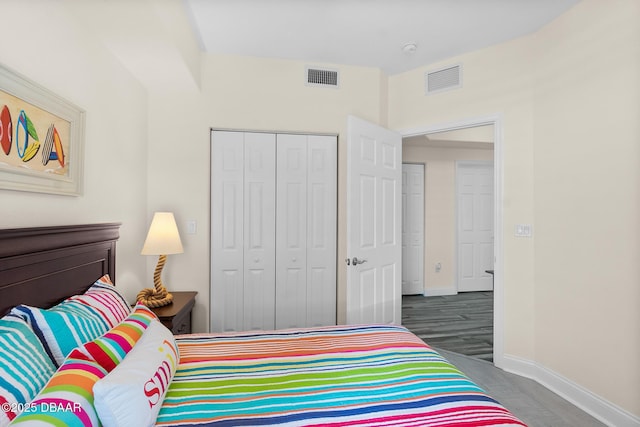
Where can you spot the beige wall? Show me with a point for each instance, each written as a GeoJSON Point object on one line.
{"type": "Point", "coordinates": [440, 210]}
{"type": "Point", "coordinates": [71, 63]}
{"type": "Point", "coordinates": [251, 94]}
{"type": "Point", "coordinates": [587, 199]}
{"type": "Point", "coordinates": [568, 99]}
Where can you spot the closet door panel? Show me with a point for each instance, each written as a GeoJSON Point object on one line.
{"type": "Point", "coordinates": [291, 231]}
{"type": "Point", "coordinates": [259, 230]}
{"type": "Point", "coordinates": [321, 230]}
{"type": "Point", "coordinates": [227, 231]}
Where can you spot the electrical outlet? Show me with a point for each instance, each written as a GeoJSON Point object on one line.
{"type": "Point", "coordinates": [438, 267]}
{"type": "Point", "coordinates": [192, 227]}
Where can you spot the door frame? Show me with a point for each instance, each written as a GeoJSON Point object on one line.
{"type": "Point", "coordinates": [498, 217]}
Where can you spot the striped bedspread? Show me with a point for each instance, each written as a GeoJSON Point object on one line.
{"type": "Point", "coordinates": [333, 376]}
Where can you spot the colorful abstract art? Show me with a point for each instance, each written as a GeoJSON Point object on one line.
{"type": "Point", "coordinates": [41, 136]}
{"type": "Point", "coordinates": [22, 128]}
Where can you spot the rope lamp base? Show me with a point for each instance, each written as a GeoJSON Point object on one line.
{"type": "Point", "coordinates": [151, 299]}
{"type": "Point", "coordinates": [158, 296]}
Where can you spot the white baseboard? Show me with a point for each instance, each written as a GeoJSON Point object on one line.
{"type": "Point", "coordinates": [434, 292]}
{"type": "Point", "coordinates": [584, 399]}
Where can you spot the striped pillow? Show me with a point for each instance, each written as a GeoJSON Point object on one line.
{"type": "Point", "coordinates": [132, 394]}
{"type": "Point", "coordinates": [105, 299]}
{"type": "Point", "coordinates": [112, 347]}
{"type": "Point", "coordinates": [68, 397]}
{"type": "Point", "coordinates": [24, 366]}
{"type": "Point", "coordinates": [76, 320]}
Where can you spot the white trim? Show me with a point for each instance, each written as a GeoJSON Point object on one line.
{"type": "Point", "coordinates": [498, 185]}
{"type": "Point", "coordinates": [584, 399]}
{"type": "Point", "coordinates": [436, 292]}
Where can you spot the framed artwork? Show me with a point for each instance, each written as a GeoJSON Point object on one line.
{"type": "Point", "coordinates": [41, 138]}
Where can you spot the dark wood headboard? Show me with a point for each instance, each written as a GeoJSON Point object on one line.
{"type": "Point", "coordinates": [41, 266]}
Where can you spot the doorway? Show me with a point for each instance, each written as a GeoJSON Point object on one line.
{"type": "Point", "coordinates": [442, 262]}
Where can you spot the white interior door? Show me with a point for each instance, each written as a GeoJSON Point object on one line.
{"type": "Point", "coordinates": [373, 224]}
{"type": "Point", "coordinates": [474, 183]}
{"type": "Point", "coordinates": [412, 229]}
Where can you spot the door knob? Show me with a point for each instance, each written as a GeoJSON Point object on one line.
{"type": "Point", "coordinates": [357, 261]}
{"type": "Point", "coordinates": [348, 261]}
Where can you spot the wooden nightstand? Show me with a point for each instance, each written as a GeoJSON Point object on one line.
{"type": "Point", "coordinates": [177, 315]}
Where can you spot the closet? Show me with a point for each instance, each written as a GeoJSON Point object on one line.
{"type": "Point", "coordinates": [273, 230]}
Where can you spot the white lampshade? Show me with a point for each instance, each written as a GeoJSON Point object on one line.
{"type": "Point", "coordinates": [163, 237]}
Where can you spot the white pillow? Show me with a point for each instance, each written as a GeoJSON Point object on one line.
{"type": "Point", "coordinates": [132, 394]}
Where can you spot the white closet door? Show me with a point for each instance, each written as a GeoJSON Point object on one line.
{"type": "Point", "coordinates": [306, 230]}
{"type": "Point", "coordinates": [273, 230]}
{"type": "Point", "coordinates": [291, 255]}
{"type": "Point", "coordinates": [227, 231]}
{"type": "Point", "coordinates": [259, 230]}
{"type": "Point", "coordinates": [242, 231]}
{"type": "Point", "coordinates": [322, 211]}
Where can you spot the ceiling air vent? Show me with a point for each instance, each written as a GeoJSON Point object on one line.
{"type": "Point", "coordinates": [443, 79]}
{"type": "Point", "coordinates": [322, 78]}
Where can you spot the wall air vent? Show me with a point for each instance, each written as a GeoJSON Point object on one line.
{"type": "Point", "coordinates": [322, 77]}
{"type": "Point", "coordinates": [443, 79]}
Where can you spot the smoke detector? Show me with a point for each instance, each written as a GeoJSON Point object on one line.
{"type": "Point", "coordinates": [409, 48]}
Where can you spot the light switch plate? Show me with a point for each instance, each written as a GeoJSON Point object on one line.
{"type": "Point", "coordinates": [524, 230]}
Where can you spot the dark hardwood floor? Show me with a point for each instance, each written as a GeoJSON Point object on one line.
{"type": "Point", "coordinates": [461, 323]}
{"type": "Point", "coordinates": [460, 327]}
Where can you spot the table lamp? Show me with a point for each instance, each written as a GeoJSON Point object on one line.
{"type": "Point", "coordinates": [162, 239]}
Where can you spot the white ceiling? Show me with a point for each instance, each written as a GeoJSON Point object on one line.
{"type": "Point", "coordinates": [367, 33]}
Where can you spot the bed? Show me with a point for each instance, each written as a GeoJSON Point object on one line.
{"type": "Point", "coordinates": [360, 375]}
